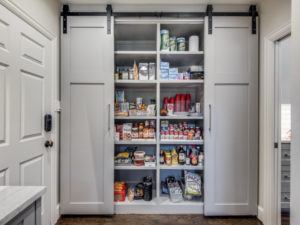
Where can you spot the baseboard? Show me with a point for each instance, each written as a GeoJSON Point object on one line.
{"type": "Point", "coordinates": [260, 214]}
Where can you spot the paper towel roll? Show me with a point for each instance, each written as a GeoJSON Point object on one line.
{"type": "Point", "coordinates": [194, 43]}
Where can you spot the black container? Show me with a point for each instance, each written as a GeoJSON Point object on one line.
{"type": "Point", "coordinates": [147, 188]}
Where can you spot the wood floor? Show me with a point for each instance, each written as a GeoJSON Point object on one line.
{"type": "Point", "coordinates": [156, 220]}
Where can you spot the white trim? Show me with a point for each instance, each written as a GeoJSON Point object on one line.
{"type": "Point", "coordinates": [260, 214]}
{"type": "Point", "coordinates": [270, 198]}
{"type": "Point", "coordinates": [16, 10]}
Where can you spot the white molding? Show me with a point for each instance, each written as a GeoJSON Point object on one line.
{"type": "Point", "coordinates": [16, 10]}
{"type": "Point", "coordinates": [269, 214]}
{"type": "Point", "coordinates": [260, 214]}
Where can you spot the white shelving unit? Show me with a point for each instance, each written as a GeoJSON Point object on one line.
{"type": "Point", "coordinates": [131, 49]}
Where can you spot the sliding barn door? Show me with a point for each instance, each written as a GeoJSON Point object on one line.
{"type": "Point", "coordinates": [87, 117]}
{"type": "Point", "coordinates": [231, 117]}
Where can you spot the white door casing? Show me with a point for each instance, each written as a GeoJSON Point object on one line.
{"type": "Point", "coordinates": [231, 112]}
{"type": "Point", "coordinates": [25, 97]}
{"type": "Point", "coordinates": [87, 117]}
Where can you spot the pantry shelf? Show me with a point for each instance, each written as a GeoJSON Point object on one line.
{"type": "Point", "coordinates": [165, 200]}
{"type": "Point", "coordinates": [181, 142]}
{"type": "Point", "coordinates": [135, 52]}
{"type": "Point", "coordinates": [135, 83]}
{"type": "Point", "coordinates": [180, 167]}
{"type": "Point", "coordinates": [140, 142]}
{"type": "Point", "coordinates": [137, 202]}
{"type": "Point", "coordinates": [135, 167]}
{"type": "Point", "coordinates": [180, 83]}
{"type": "Point", "coordinates": [181, 117]}
{"type": "Point", "coordinates": [135, 117]}
{"type": "Point", "coordinates": [182, 53]}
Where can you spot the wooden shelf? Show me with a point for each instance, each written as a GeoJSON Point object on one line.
{"type": "Point", "coordinates": [135, 117]}
{"type": "Point", "coordinates": [137, 202]}
{"type": "Point", "coordinates": [135, 83]}
{"type": "Point", "coordinates": [139, 142]}
{"type": "Point", "coordinates": [181, 53]}
{"type": "Point", "coordinates": [180, 167]}
{"type": "Point", "coordinates": [135, 52]}
{"type": "Point", "coordinates": [181, 142]}
{"type": "Point", "coordinates": [181, 118]}
{"type": "Point", "coordinates": [132, 167]}
{"type": "Point", "coordinates": [165, 200]}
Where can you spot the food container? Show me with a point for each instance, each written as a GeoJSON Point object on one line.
{"type": "Point", "coordinates": [168, 158]}
{"type": "Point", "coordinates": [173, 45]}
{"type": "Point", "coordinates": [152, 71]}
{"type": "Point", "coordinates": [181, 44]}
{"type": "Point", "coordinates": [164, 40]}
{"type": "Point", "coordinates": [194, 43]}
{"type": "Point", "coordinates": [143, 71]}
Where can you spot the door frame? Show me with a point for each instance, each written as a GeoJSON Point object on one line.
{"type": "Point", "coordinates": [55, 104]}
{"type": "Point", "coordinates": [267, 122]}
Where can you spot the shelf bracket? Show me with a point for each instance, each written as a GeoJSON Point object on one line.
{"type": "Point", "coordinates": [109, 14]}
{"type": "Point", "coordinates": [65, 18]}
{"type": "Point", "coordinates": [253, 14]}
{"type": "Point", "coordinates": [209, 13]}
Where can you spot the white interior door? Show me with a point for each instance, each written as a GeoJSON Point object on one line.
{"type": "Point", "coordinates": [87, 117]}
{"type": "Point", "coordinates": [25, 97]}
{"type": "Point", "coordinates": [231, 117]}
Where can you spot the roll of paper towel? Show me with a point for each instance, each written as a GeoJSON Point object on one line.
{"type": "Point", "coordinates": [194, 43]}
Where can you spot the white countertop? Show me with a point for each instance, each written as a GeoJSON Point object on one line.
{"type": "Point", "coordinates": [14, 199]}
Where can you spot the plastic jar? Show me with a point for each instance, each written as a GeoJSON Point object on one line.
{"type": "Point", "coordinates": [181, 44]}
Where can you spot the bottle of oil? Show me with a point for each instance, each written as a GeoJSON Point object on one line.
{"type": "Point", "coordinates": [181, 156]}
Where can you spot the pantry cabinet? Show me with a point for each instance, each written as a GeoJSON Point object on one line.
{"type": "Point", "coordinates": [119, 127]}
{"type": "Point", "coordinates": [231, 117]}
{"type": "Point", "coordinates": [87, 117]}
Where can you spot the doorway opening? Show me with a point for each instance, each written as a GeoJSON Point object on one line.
{"type": "Point", "coordinates": [283, 127]}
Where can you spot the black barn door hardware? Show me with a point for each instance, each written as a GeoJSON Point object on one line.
{"type": "Point", "coordinates": [109, 14]}
{"type": "Point", "coordinates": [65, 18]}
{"type": "Point", "coordinates": [209, 13]}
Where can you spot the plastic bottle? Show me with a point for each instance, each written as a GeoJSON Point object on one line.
{"type": "Point", "coordinates": [182, 103]}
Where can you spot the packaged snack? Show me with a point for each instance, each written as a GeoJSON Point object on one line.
{"type": "Point", "coordinates": [127, 131]}
{"type": "Point", "coordinates": [192, 184]}
{"type": "Point", "coordinates": [120, 96]}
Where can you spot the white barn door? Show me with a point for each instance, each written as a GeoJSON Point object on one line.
{"type": "Point", "coordinates": [87, 172]}
{"type": "Point", "coordinates": [231, 117]}
{"type": "Point", "coordinates": [25, 97]}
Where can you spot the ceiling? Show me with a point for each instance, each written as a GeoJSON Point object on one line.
{"type": "Point", "coordinates": [140, 2]}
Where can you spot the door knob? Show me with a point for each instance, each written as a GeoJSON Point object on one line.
{"type": "Point", "coordinates": [49, 144]}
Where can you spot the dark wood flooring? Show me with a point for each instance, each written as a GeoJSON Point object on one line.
{"type": "Point", "coordinates": [156, 220]}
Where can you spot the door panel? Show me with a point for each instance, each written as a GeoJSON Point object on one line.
{"type": "Point", "coordinates": [231, 109]}
{"type": "Point", "coordinates": [87, 117]}
{"type": "Point", "coordinates": [87, 121]}
{"type": "Point", "coordinates": [25, 97]}
{"type": "Point", "coordinates": [231, 145]}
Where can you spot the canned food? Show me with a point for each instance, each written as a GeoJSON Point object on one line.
{"type": "Point", "coordinates": [164, 40]}
{"type": "Point", "coordinates": [173, 46]}
{"type": "Point", "coordinates": [181, 44]}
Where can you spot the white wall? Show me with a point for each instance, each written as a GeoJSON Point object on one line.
{"type": "Point", "coordinates": [295, 176]}
{"type": "Point", "coordinates": [273, 15]}
{"type": "Point", "coordinates": [46, 12]}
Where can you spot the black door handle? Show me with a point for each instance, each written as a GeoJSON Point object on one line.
{"type": "Point", "coordinates": [49, 144]}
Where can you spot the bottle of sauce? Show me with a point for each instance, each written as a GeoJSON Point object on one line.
{"type": "Point", "coordinates": [161, 157]}
{"type": "Point", "coordinates": [181, 156]}
{"type": "Point", "coordinates": [187, 157]}
{"type": "Point", "coordinates": [182, 103]}
{"type": "Point", "coordinates": [188, 102]}
{"type": "Point", "coordinates": [177, 103]}
{"type": "Point", "coordinates": [194, 157]}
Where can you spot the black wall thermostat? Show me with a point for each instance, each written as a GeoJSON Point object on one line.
{"type": "Point", "coordinates": [48, 123]}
